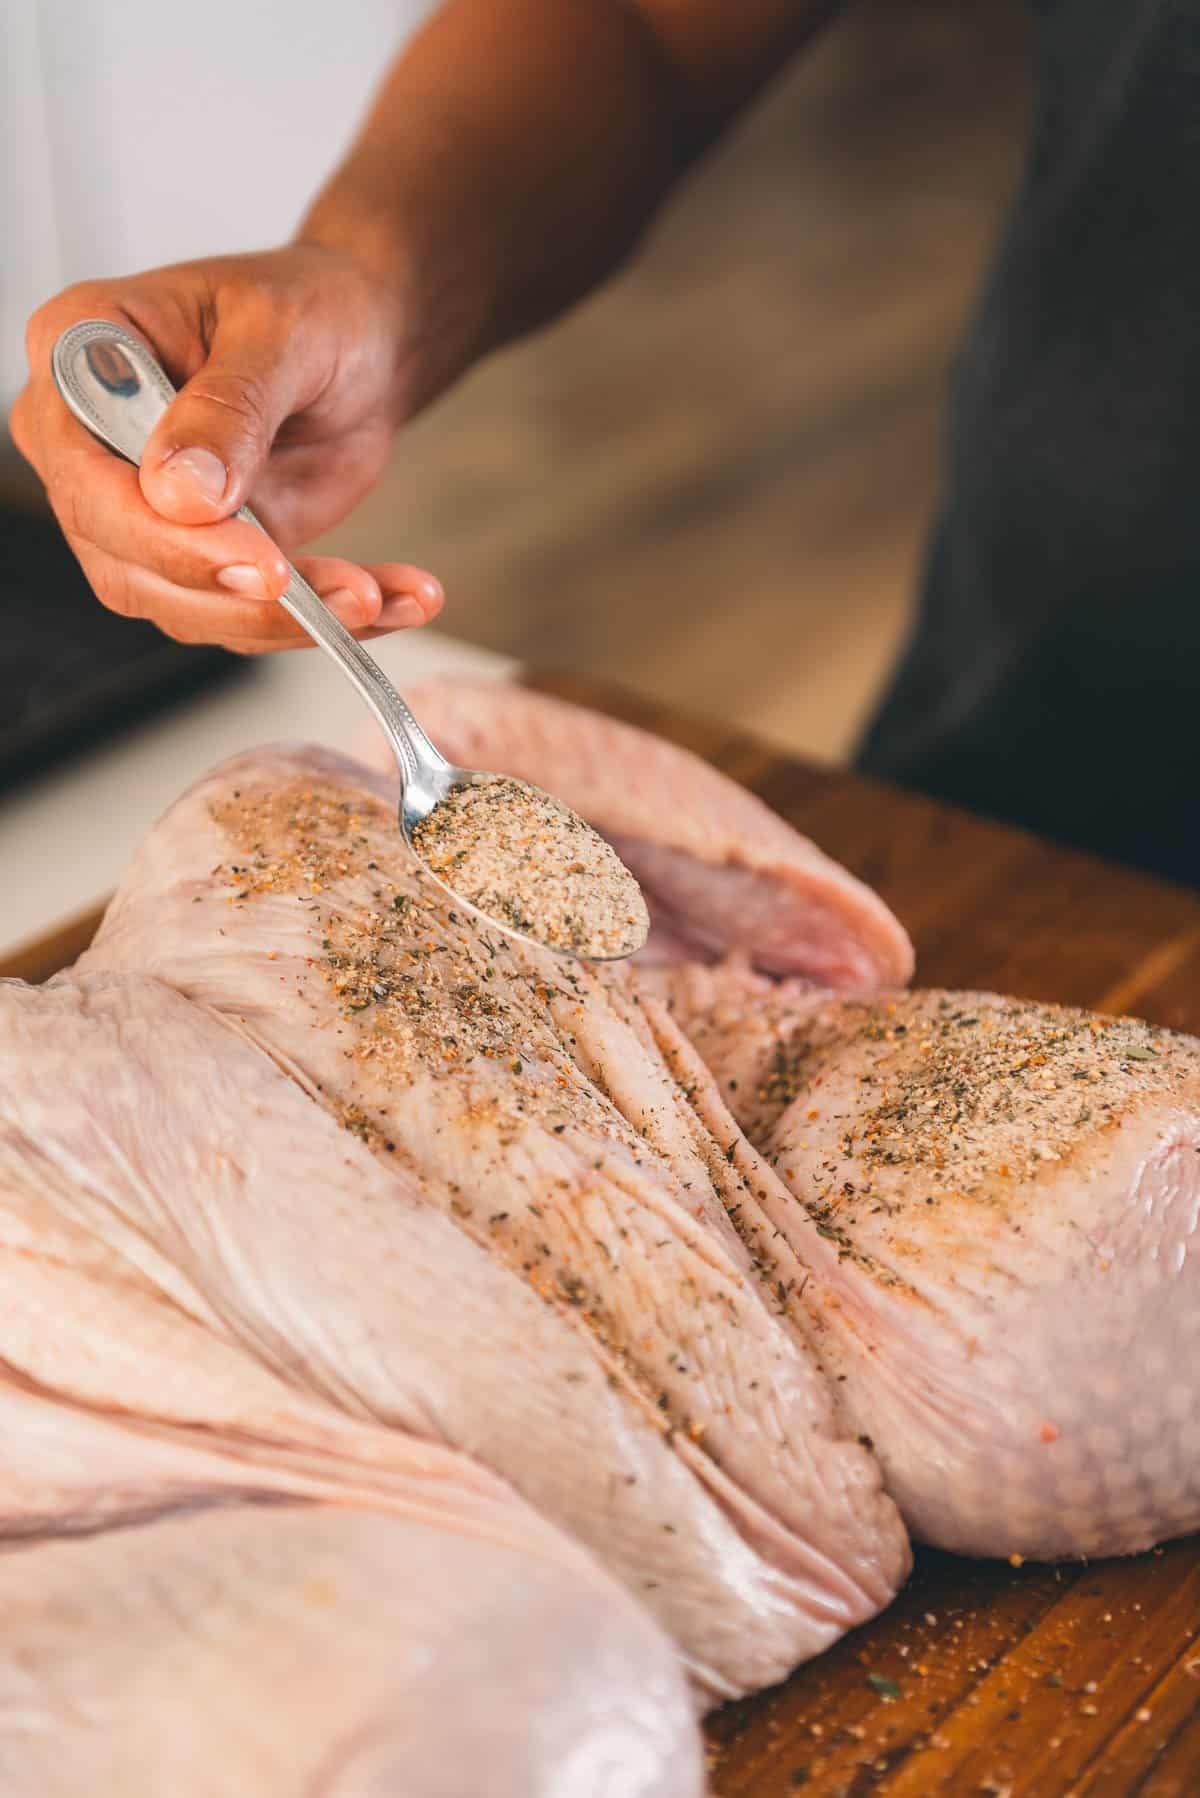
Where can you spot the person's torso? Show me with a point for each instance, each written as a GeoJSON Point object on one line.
{"type": "Point", "coordinates": [1060, 624]}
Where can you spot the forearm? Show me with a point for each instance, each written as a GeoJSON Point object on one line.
{"type": "Point", "coordinates": [518, 148]}
{"type": "Point", "coordinates": [515, 152]}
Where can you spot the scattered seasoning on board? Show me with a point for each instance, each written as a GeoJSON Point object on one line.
{"type": "Point", "coordinates": [887, 1688]}
{"type": "Point", "coordinates": [523, 857]}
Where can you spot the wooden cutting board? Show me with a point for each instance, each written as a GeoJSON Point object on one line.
{"type": "Point", "coordinates": [1018, 1682]}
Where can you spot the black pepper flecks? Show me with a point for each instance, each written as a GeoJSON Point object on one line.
{"type": "Point", "coordinates": [965, 1098]}
{"type": "Point", "coordinates": [420, 991]}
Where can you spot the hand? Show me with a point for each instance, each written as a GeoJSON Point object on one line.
{"type": "Point", "coordinates": [288, 366]}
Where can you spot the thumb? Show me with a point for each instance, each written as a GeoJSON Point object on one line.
{"type": "Point", "coordinates": [206, 451]}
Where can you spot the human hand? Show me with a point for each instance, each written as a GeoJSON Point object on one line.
{"type": "Point", "coordinates": [288, 363]}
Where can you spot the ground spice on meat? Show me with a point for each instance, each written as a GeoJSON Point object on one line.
{"type": "Point", "coordinates": [421, 990]}
{"type": "Point", "coordinates": [962, 1099]}
{"type": "Point", "coordinates": [526, 860]}
{"type": "Point", "coordinates": [976, 1090]}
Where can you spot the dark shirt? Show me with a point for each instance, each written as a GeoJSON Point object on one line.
{"type": "Point", "coordinates": [1053, 676]}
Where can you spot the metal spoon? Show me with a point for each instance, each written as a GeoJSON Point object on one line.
{"type": "Point", "coordinates": [115, 387]}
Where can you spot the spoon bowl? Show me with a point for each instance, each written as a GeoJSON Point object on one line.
{"type": "Point", "coordinates": [115, 387]}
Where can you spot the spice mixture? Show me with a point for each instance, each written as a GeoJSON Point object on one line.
{"type": "Point", "coordinates": [970, 1089]}
{"type": "Point", "coordinates": [527, 1143]}
{"type": "Point", "coordinates": [969, 1097]}
{"type": "Point", "coordinates": [429, 990]}
{"type": "Point", "coordinates": [526, 860]}
{"type": "Point", "coordinates": [961, 1099]}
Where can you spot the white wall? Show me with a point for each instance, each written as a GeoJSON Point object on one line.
{"type": "Point", "coordinates": [134, 132]}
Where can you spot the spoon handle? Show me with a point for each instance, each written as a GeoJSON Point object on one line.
{"type": "Point", "coordinates": [115, 387]}
{"type": "Point", "coordinates": [361, 669]}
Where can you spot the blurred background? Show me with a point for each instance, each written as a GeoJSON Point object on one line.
{"type": "Point", "coordinates": [711, 482]}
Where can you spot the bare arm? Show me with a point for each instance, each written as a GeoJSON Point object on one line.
{"type": "Point", "coordinates": [516, 152]}
{"type": "Point", "coordinates": [513, 155]}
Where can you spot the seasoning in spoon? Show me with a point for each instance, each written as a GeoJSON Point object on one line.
{"type": "Point", "coordinates": [528, 861]}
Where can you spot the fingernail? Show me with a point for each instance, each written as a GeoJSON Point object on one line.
{"type": "Point", "coordinates": [244, 578]}
{"type": "Point", "coordinates": [399, 614]}
{"type": "Point", "coordinates": [431, 589]}
{"type": "Point", "coordinates": [201, 469]}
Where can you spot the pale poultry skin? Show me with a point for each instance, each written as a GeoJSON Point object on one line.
{"type": "Point", "coordinates": [633, 1375]}
{"type": "Point", "coordinates": [1016, 1346]}
{"type": "Point", "coordinates": [448, 1369]}
{"type": "Point", "coordinates": [221, 1576]}
{"type": "Point", "coordinates": [996, 1206]}
{"type": "Point", "coordinates": [319, 1652]}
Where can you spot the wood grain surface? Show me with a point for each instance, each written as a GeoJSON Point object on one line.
{"type": "Point", "coordinates": [982, 1678]}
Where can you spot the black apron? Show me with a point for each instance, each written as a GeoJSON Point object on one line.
{"type": "Point", "coordinates": [1053, 674]}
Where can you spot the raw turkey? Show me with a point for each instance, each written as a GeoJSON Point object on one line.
{"type": "Point", "coordinates": [587, 1318]}
{"type": "Point", "coordinates": [417, 1353]}
{"type": "Point", "coordinates": [991, 1205]}
{"type": "Point", "coordinates": [995, 1210]}
{"type": "Point", "coordinates": [219, 1578]}
{"type": "Point", "coordinates": [320, 1652]}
